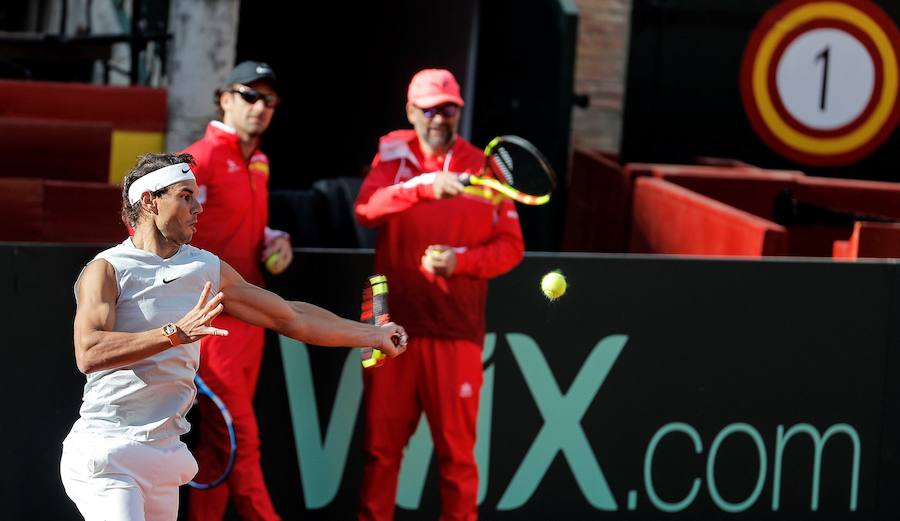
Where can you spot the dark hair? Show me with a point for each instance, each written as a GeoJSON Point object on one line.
{"type": "Point", "coordinates": [145, 164]}
{"type": "Point", "coordinates": [217, 100]}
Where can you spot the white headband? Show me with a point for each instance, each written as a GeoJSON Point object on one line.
{"type": "Point", "coordinates": [159, 179]}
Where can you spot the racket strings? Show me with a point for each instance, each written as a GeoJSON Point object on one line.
{"type": "Point", "coordinates": [504, 162]}
{"type": "Point", "coordinates": [521, 170]}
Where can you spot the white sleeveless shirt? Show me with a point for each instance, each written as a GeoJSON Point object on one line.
{"type": "Point", "coordinates": [148, 400]}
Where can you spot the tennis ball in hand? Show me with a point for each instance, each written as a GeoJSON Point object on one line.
{"type": "Point", "coordinates": [435, 251]}
{"type": "Point", "coordinates": [273, 262]}
{"type": "Point", "coordinates": [553, 285]}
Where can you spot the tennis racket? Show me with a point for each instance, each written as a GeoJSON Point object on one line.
{"type": "Point", "coordinates": [213, 410]}
{"type": "Point", "coordinates": [520, 171]}
{"type": "Point", "coordinates": [375, 311]}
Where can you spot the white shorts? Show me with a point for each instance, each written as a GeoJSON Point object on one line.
{"type": "Point", "coordinates": [121, 479]}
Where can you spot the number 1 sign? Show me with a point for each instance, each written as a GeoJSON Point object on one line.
{"type": "Point", "coordinates": [819, 80]}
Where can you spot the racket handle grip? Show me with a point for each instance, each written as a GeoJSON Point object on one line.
{"type": "Point", "coordinates": [377, 292]}
{"type": "Point", "coordinates": [371, 357]}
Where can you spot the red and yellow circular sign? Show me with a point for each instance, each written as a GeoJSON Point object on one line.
{"type": "Point", "coordinates": [820, 80]}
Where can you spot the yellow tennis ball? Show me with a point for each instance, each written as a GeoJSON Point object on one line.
{"type": "Point", "coordinates": [273, 262]}
{"type": "Point", "coordinates": [553, 285]}
{"type": "Point", "coordinates": [435, 251]}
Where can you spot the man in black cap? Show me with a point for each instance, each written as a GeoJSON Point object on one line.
{"type": "Point", "coordinates": [232, 177]}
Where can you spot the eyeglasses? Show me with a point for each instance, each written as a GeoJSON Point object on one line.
{"type": "Point", "coordinates": [448, 111]}
{"type": "Point", "coordinates": [251, 96]}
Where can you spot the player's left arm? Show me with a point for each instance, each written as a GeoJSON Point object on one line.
{"type": "Point", "coordinates": [299, 320]}
{"type": "Point", "coordinates": [499, 254]}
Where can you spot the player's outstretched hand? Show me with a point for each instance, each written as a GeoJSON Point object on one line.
{"type": "Point", "coordinates": [197, 323]}
{"type": "Point", "coordinates": [393, 341]}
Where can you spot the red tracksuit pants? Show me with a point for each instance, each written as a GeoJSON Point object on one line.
{"type": "Point", "coordinates": [441, 377]}
{"type": "Point", "coordinates": [230, 366]}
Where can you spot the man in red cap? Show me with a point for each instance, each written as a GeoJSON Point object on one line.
{"type": "Point", "coordinates": [232, 178]}
{"type": "Point", "coordinates": [438, 243]}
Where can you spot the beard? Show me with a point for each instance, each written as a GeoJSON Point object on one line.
{"type": "Point", "coordinates": [255, 129]}
{"type": "Point", "coordinates": [439, 136]}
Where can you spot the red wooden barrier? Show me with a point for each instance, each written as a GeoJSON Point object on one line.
{"type": "Point", "coordinates": [667, 218]}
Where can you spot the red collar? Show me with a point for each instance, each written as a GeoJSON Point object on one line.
{"type": "Point", "coordinates": [220, 133]}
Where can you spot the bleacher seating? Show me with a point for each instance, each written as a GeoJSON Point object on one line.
{"type": "Point", "coordinates": [48, 210]}
{"type": "Point", "coordinates": [67, 146]}
{"type": "Point", "coordinates": [55, 149]}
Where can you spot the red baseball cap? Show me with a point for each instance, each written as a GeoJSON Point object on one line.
{"type": "Point", "coordinates": [433, 87]}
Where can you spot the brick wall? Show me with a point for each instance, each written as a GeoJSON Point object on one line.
{"type": "Point", "coordinates": [600, 68]}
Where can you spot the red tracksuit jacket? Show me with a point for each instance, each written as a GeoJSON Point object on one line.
{"type": "Point", "coordinates": [481, 226]}
{"type": "Point", "coordinates": [235, 199]}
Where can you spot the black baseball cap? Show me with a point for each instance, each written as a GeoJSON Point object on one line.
{"type": "Point", "coordinates": [250, 71]}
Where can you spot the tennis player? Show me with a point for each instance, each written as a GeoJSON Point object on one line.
{"type": "Point", "coordinates": [142, 307]}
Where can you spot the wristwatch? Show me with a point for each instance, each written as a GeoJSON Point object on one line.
{"type": "Point", "coordinates": [171, 331]}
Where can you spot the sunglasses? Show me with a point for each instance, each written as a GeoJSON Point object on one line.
{"type": "Point", "coordinates": [251, 96]}
{"type": "Point", "coordinates": [448, 111]}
